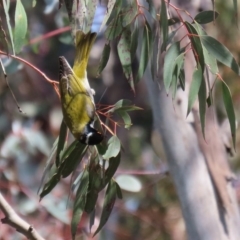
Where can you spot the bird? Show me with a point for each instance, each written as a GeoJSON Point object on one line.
{"type": "Point", "coordinates": [76, 95]}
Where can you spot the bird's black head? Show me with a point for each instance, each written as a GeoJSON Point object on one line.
{"type": "Point", "coordinates": [91, 137]}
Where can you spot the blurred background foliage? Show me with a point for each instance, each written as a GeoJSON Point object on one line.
{"type": "Point", "coordinates": [149, 209]}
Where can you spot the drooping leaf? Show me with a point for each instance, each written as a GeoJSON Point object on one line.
{"type": "Point", "coordinates": [178, 66]}
{"type": "Point", "coordinates": [220, 52]}
{"type": "Point", "coordinates": [20, 30]}
{"type": "Point", "coordinates": [110, 7]}
{"type": "Point", "coordinates": [146, 50]}
{"type": "Point", "coordinates": [79, 203]}
{"type": "Point", "coordinates": [69, 150]}
{"type": "Point", "coordinates": [61, 141]}
{"type": "Point", "coordinates": [124, 53]}
{"type": "Point", "coordinates": [53, 181]}
{"type": "Point", "coordinates": [115, 28]}
{"type": "Point", "coordinates": [164, 24]}
{"type": "Point", "coordinates": [202, 95]}
{"type": "Point", "coordinates": [6, 4]}
{"type": "Point", "coordinates": [114, 147]}
{"type": "Point", "coordinates": [169, 64]}
{"type": "Point", "coordinates": [124, 105]}
{"type": "Point", "coordinates": [195, 86]}
{"type": "Point", "coordinates": [206, 16]}
{"type": "Point", "coordinates": [108, 205]}
{"type": "Point", "coordinates": [130, 12]}
{"type": "Point", "coordinates": [119, 191]}
{"type": "Point", "coordinates": [210, 61]}
{"type": "Point", "coordinates": [70, 10]}
{"type": "Point", "coordinates": [169, 39]}
{"type": "Point", "coordinates": [104, 58]}
{"type": "Point", "coordinates": [112, 167]}
{"type": "Point", "coordinates": [227, 99]}
{"type": "Point", "coordinates": [72, 161]}
{"type": "Point", "coordinates": [91, 6]}
{"type": "Point", "coordinates": [126, 118]}
{"type": "Point", "coordinates": [134, 39]}
{"type": "Point", "coordinates": [196, 44]}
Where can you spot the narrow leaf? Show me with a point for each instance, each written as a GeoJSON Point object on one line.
{"type": "Point", "coordinates": [6, 4]}
{"type": "Point", "coordinates": [182, 79]}
{"type": "Point", "coordinates": [124, 54]}
{"type": "Point", "coordinates": [195, 86]}
{"type": "Point", "coordinates": [202, 95]}
{"type": "Point", "coordinates": [104, 58]}
{"type": "Point", "coordinates": [147, 42]}
{"type": "Point", "coordinates": [152, 9]}
{"type": "Point", "coordinates": [110, 6]}
{"type": "Point", "coordinates": [108, 205]}
{"type": "Point", "coordinates": [114, 147]}
{"type": "Point", "coordinates": [114, 29]}
{"type": "Point", "coordinates": [112, 167]}
{"type": "Point", "coordinates": [196, 44]}
{"type": "Point", "coordinates": [20, 30]}
{"type": "Point", "coordinates": [164, 24]}
{"type": "Point", "coordinates": [227, 99]}
{"type": "Point", "coordinates": [79, 203]}
{"type": "Point", "coordinates": [119, 191]}
{"type": "Point", "coordinates": [169, 64]}
{"type": "Point", "coordinates": [206, 17]}
{"type": "Point", "coordinates": [210, 61]}
{"type": "Point", "coordinates": [134, 39]}
{"type": "Point", "coordinates": [220, 52]}
{"type": "Point", "coordinates": [130, 12]}
{"type": "Point", "coordinates": [73, 160]}
{"type": "Point", "coordinates": [61, 141]}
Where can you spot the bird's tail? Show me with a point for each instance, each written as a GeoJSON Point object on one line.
{"type": "Point", "coordinates": [83, 44]}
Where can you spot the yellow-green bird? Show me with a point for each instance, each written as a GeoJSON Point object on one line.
{"type": "Point", "coordinates": [76, 95]}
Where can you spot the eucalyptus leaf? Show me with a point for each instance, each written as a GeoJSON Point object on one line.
{"type": "Point", "coordinates": [220, 52]}
{"type": "Point", "coordinates": [104, 58]}
{"type": "Point", "coordinates": [61, 141]}
{"type": "Point", "coordinates": [20, 30]}
{"type": "Point", "coordinates": [114, 147]}
{"type": "Point", "coordinates": [206, 16]}
{"type": "Point", "coordinates": [202, 95]}
{"type": "Point", "coordinates": [227, 99]}
{"type": "Point", "coordinates": [164, 24]}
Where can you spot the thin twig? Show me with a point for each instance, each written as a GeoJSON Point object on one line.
{"type": "Point", "coordinates": [13, 220]}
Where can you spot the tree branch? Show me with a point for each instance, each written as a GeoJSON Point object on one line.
{"type": "Point", "coordinates": [13, 220]}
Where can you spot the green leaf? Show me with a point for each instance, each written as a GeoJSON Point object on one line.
{"type": "Point", "coordinates": [61, 141]}
{"type": "Point", "coordinates": [104, 58]}
{"type": "Point", "coordinates": [169, 64]}
{"type": "Point", "coordinates": [3, 39]}
{"type": "Point", "coordinates": [130, 12]}
{"type": "Point", "coordinates": [48, 187]}
{"type": "Point", "coordinates": [115, 28]}
{"type": "Point", "coordinates": [195, 86]}
{"type": "Point", "coordinates": [164, 25]}
{"type": "Point", "coordinates": [68, 151]}
{"type": "Point", "coordinates": [79, 203]}
{"type": "Point", "coordinates": [108, 205]}
{"type": "Point", "coordinates": [112, 167]}
{"type": "Point", "coordinates": [220, 52]}
{"type": "Point", "coordinates": [210, 61]}
{"type": "Point", "coordinates": [227, 99]}
{"type": "Point", "coordinates": [20, 30]}
{"type": "Point", "coordinates": [178, 66]}
{"type": "Point", "coordinates": [110, 7]}
{"type": "Point", "coordinates": [202, 95]}
{"type": "Point", "coordinates": [126, 118]}
{"type": "Point", "coordinates": [114, 147]}
{"type": "Point", "coordinates": [73, 160]}
{"type": "Point", "coordinates": [70, 8]}
{"type": "Point", "coordinates": [6, 5]}
{"type": "Point", "coordinates": [124, 105]}
{"type": "Point", "coordinates": [119, 191]}
{"type": "Point", "coordinates": [134, 39]}
{"type": "Point", "coordinates": [146, 50]}
{"type": "Point", "coordinates": [196, 44]}
{"type": "Point", "coordinates": [124, 53]}
{"type": "Point", "coordinates": [49, 163]}
{"type": "Point", "coordinates": [206, 17]}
